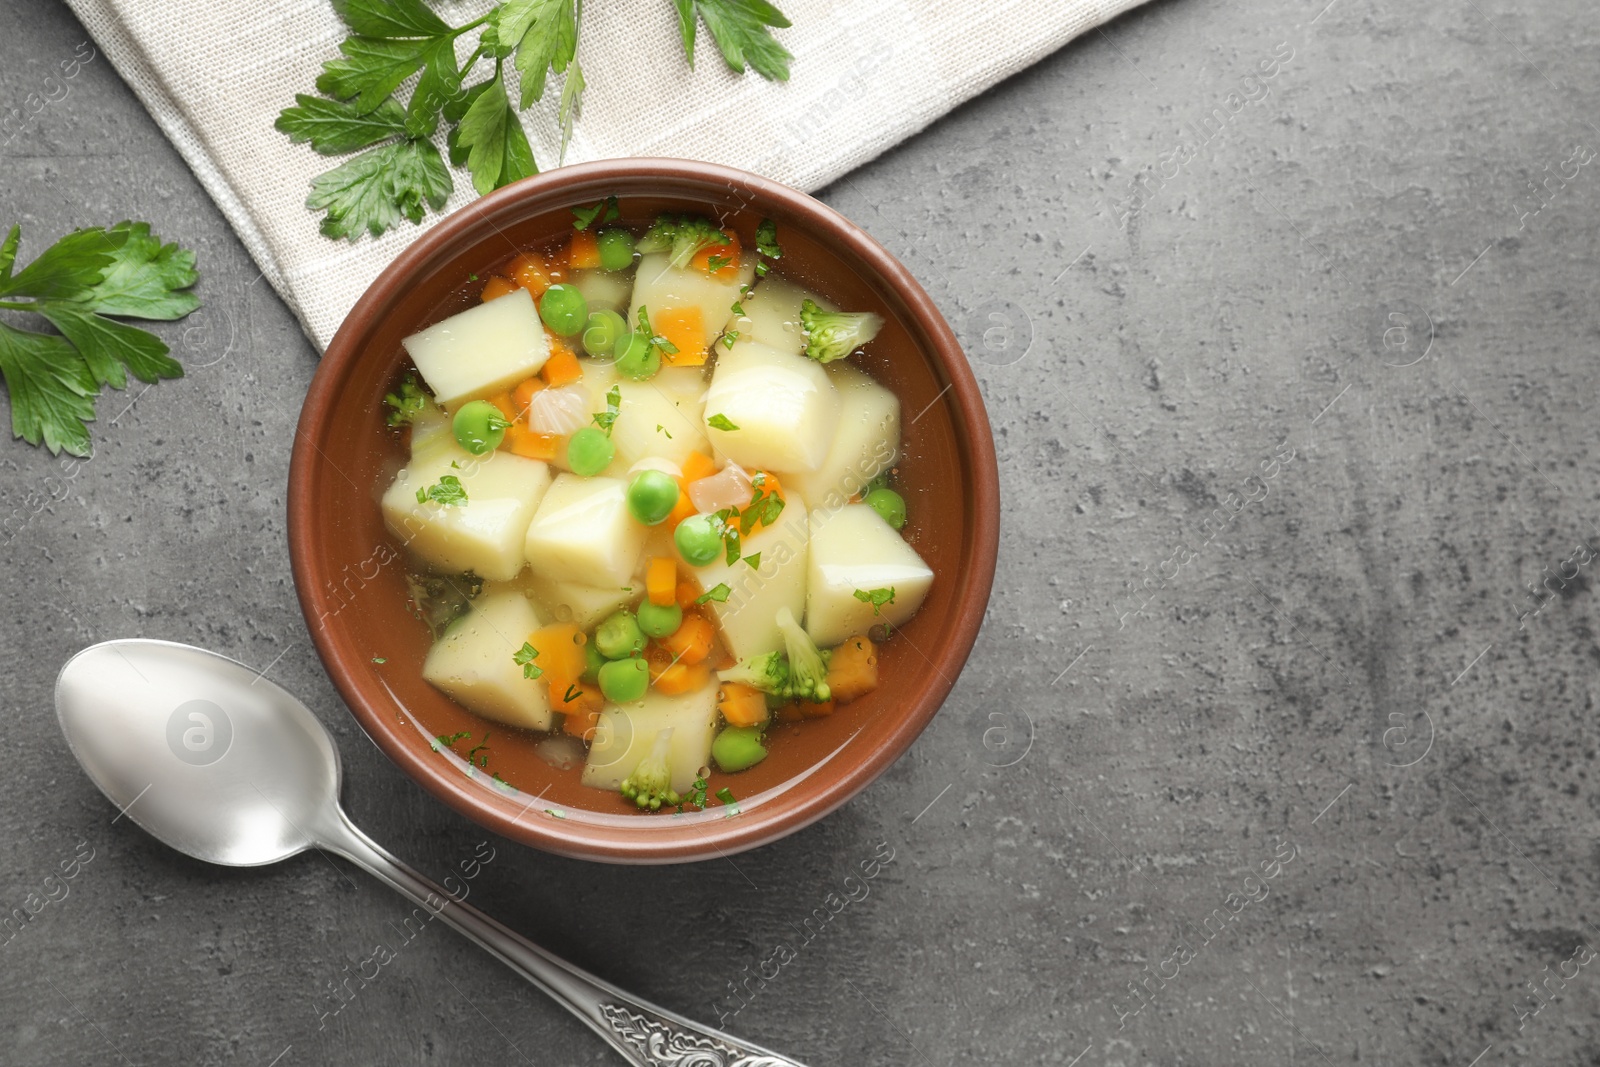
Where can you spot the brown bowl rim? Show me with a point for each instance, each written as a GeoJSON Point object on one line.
{"type": "Point", "coordinates": [674, 843]}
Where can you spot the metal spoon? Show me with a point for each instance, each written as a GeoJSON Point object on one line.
{"type": "Point", "coordinates": [223, 765]}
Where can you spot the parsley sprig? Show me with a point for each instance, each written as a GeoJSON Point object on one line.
{"type": "Point", "coordinates": [77, 283]}
{"type": "Point", "coordinates": [397, 170]}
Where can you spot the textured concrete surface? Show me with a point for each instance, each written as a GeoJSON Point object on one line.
{"type": "Point", "coordinates": [1276, 746]}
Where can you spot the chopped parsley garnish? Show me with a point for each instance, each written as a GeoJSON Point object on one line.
{"type": "Point", "coordinates": [380, 660]}
{"type": "Point", "coordinates": [716, 263]}
{"type": "Point", "coordinates": [482, 746]}
{"type": "Point", "coordinates": [572, 693]}
{"type": "Point", "coordinates": [719, 421]}
{"type": "Point", "coordinates": [730, 338]}
{"type": "Point", "coordinates": [406, 402]}
{"type": "Point", "coordinates": [448, 491]}
{"type": "Point", "coordinates": [53, 378]}
{"type": "Point", "coordinates": [645, 330]}
{"type": "Point", "coordinates": [761, 269]}
{"type": "Point", "coordinates": [876, 597]}
{"type": "Point", "coordinates": [446, 740]}
{"type": "Point", "coordinates": [606, 211]}
{"type": "Point", "coordinates": [499, 781]}
{"type": "Point", "coordinates": [754, 559]}
{"type": "Point", "coordinates": [764, 507]}
{"type": "Point", "coordinates": [722, 524]}
{"type": "Point", "coordinates": [697, 793]}
{"type": "Point", "coordinates": [524, 657]}
{"type": "Point", "coordinates": [718, 592]}
{"type": "Point", "coordinates": [725, 795]}
{"type": "Point", "coordinates": [767, 239]}
{"type": "Point", "coordinates": [608, 418]}
{"type": "Point", "coordinates": [662, 429]}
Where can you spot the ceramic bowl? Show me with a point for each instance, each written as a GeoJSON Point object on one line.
{"type": "Point", "coordinates": [350, 573]}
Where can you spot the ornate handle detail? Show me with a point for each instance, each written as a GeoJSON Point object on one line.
{"type": "Point", "coordinates": [660, 1042]}
{"type": "Point", "coordinates": [646, 1035]}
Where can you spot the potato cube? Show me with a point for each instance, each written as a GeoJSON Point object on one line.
{"type": "Point", "coordinates": [481, 351]}
{"type": "Point", "coordinates": [854, 549]}
{"type": "Point", "coordinates": [484, 535]}
{"type": "Point", "coordinates": [627, 732]}
{"type": "Point", "coordinates": [784, 407]}
{"type": "Point", "coordinates": [605, 290]}
{"type": "Point", "coordinates": [772, 314]}
{"type": "Point", "coordinates": [472, 662]}
{"type": "Point", "coordinates": [583, 533]}
{"type": "Point", "coordinates": [748, 618]}
{"type": "Point", "coordinates": [865, 443]}
{"type": "Point", "coordinates": [661, 417]}
{"type": "Point", "coordinates": [582, 605]}
{"type": "Point", "coordinates": [661, 288]}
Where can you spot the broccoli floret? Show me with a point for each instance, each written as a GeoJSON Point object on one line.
{"type": "Point", "coordinates": [650, 784]}
{"type": "Point", "coordinates": [808, 667]}
{"type": "Point", "coordinates": [832, 335]}
{"type": "Point", "coordinates": [685, 236]}
{"type": "Point", "coordinates": [406, 403]}
{"type": "Point", "coordinates": [768, 673]}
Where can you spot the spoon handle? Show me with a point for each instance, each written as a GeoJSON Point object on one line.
{"type": "Point", "coordinates": [646, 1035]}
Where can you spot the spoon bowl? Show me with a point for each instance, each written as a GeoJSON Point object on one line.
{"type": "Point", "coordinates": [211, 758]}
{"type": "Point", "coordinates": [202, 752]}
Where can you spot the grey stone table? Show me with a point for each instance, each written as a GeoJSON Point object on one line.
{"type": "Point", "coordinates": [1275, 749]}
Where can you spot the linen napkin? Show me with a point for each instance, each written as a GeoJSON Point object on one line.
{"type": "Point", "coordinates": [866, 75]}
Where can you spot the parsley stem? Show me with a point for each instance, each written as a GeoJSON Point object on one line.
{"type": "Point", "coordinates": [474, 24]}
{"type": "Point", "coordinates": [12, 305]}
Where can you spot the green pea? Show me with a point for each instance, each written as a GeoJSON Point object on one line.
{"type": "Point", "coordinates": [890, 504]}
{"type": "Point", "coordinates": [619, 636]}
{"type": "Point", "coordinates": [651, 496]}
{"type": "Point", "coordinates": [637, 358]}
{"type": "Point", "coordinates": [697, 540]}
{"type": "Point", "coordinates": [479, 427]}
{"type": "Point", "coordinates": [593, 661]}
{"type": "Point", "coordinates": [564, 309]}
{"type": "Point", "coordinates": [657, 620]}
{"type": "Point", "coordinates": [616, 249]}
{"type": "Point", "coordinates": [601, 332]}
{"type": "Point", "coordinates": [738, 748]}
{"type": "Point", "coordinates": [589, 452]}
{"type": "Point", "coordinates": [622, 681]}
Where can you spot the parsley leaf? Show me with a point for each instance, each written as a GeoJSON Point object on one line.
{"type": "Point", "coordinates": [374, 190]}
{"type": "Point", "coordinates": [876, 597]}
{"type": "Point", "coordinates": [481, 746]}
{"type": "Point", "coordinates": [120, 270]}
{"type": "Point", "coordinates": [645, 330]}
{"type": "Point", "coordinates": [730, 339]}
{"type": "Point", "coordinates": [767, 239]}
{"type": "Point", "coordinates": [605, 211]}
{"type": "Point", "coordinates": [608, 418]}
{"type": "Point", "coordinates": [52, 391]}
{"type": "Point", "coordinates": [335, 127]}
{"type": "Point", "coordinates": [390, 18]}
{"type": "Point", "coordinates": [390, 42]}
{"type": "Point", "coordinates": [716, 263]}
{"type": "Point", "coordinates": [736, 307]}
{"type": "Point", "coordinates": [740, 29]}
{"type": "Point", "coordinates": [719, 421]}
{"type": "Point", "coordinates": [498, 152]}
{"type": "Point", "coordinates": [754, 559]}
{"type": "Point", "coordinates": [524, 657]}
{"type": "Point", "coordinates": [718, 592]}
{"type": "Point", "coordinates": [446, 740]}
{"type": "Point", "coordinates": [448, 492]}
